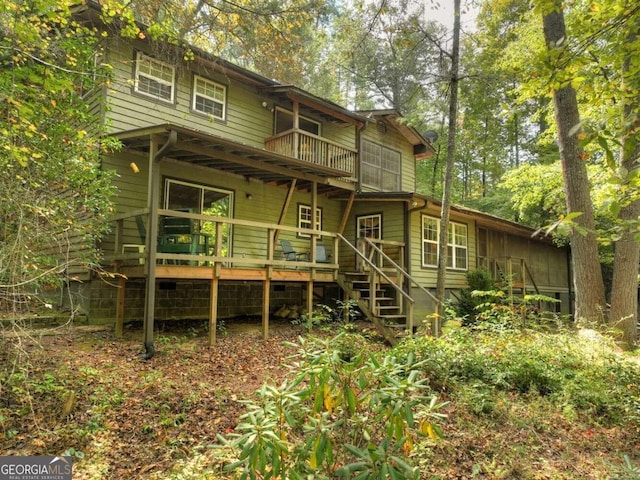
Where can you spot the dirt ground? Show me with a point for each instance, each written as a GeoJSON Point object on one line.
{"type": "Point", "coordinates": [90, 395]}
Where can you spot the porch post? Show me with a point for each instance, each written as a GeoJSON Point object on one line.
{"type": "Point", "coordinates": [153, 200]}
{"type": "Point", "coordinates": [296, 128]}
{"type": "Point", "coordinates": [120, 296]}
{"type": "Point", "coordinates": [266, 291]}
{"type": "Point", "coordinates": [314, 208]}
{"type": "Point", "coordinates": [213, 310]}
{"type": "Point", "coordinates": [310, 298]}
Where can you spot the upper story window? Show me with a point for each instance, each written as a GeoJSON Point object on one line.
{"type": "Point", "coordinates": [457, 250]}
{"type": "Point", "coordinates": [154, 78]}
{"type": "Point", "coordinates": [284, 122]}
{"type": "Point", "coordinates": [380, 167]}
{"type": "Point", "coordinates": [209, 97]}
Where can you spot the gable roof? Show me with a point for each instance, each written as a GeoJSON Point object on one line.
{"type": "Point", "coordinates": [421, 146]}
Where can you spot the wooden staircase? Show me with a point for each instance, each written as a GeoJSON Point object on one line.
{"type": "Point", "coordinates": [379, 288]}
{"type": "Point", "coordinates": [382, 307]}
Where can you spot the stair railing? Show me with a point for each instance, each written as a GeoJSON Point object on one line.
{"type": "Point", "coordinates": [400, 273]}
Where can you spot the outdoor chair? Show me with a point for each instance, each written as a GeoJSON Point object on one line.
{"type": "Point", "coordinates": [321, 254]}
{"type": "Point", "coordinates": [180, 235]}
{"type": "Point", "coordinates": [290, 254]}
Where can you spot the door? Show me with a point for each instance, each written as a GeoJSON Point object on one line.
{"type": "Point", "coordinates": [206, 200]}
{"type": "Point", "coordinates": [368, 226]}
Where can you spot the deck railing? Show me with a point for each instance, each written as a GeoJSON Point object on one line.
{"type": "Point", "coordinates": [258, 248]}
{"type": "Point", "coordinates": [314, 149]}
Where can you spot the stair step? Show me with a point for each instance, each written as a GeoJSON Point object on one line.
{"type": "Point", "coordinates": [388, 307]}
{"type": "Point", "coordinates": [393, 317]}
{"type": "Point", "coordinates": [385, 299]}
{"type": "Point", "coordinates": [396, 326]}
{"type": "Point", "coordinates": [360, 283]}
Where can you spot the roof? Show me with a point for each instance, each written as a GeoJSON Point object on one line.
{"type": "Point", "coordinates": [420, 201]}
{"type": "Point", "coordinates": [393, 117]}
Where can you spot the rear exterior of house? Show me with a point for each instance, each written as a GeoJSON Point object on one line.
{"type": "Point", "coordinates": [237, 194]}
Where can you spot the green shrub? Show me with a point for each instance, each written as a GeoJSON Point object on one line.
{"type": "Point", "coordinates": [477, 280]}
{"type": "Point", "coordinates": [341, 415]}
{"type": "Point", "coordinates": [574, 373]}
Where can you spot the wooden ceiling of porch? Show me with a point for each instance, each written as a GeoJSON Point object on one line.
{"type": "Point", "coordinates": [198, 148]}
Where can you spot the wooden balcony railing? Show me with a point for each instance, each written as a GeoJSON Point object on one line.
{"type": "Point", "coordinates": [254, 243]}
{"type": "Point", "coordinates": [314, 149]}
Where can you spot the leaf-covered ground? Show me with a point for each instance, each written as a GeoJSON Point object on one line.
{"type": "Point", "coordinates": [83, 392]}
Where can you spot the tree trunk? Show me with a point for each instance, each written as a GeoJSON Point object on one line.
{"type": "Point", "coordinates": [624, 287]}
{"type": "Point", "coordinates": [587, 274]}
{"type": "Point", "coordinates": [448, 178]}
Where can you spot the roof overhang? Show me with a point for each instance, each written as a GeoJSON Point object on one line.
{"type": "Point", "coordinates": [422, 148]}
{"type": "Point", "coordinates": [325, 108]}
{"type": "Point", "coordinates": [210, 151]}
{"type": "Point", "coordinates": [416, 201]}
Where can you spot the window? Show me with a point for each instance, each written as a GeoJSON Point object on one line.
{"type": "Point", "coordinates": [380, 167]}
{"type": "Point", "coordinates": [154, 78]}
{"type": "Point", "coordinates": [208, 97]}
{"type": "Point", "coordinates": [456, 244]}
{"type": "Point", "coordinates": [370, 226]}
{"type": "Point", "coordinates": [304, 219]}
{"type": "Point", "coordinates": [284, 122]}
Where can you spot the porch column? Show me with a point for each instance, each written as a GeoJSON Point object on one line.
{"type": "Point", "coordinates": [296, 128]}
{"type": "Point", "coordinates": [266, 292]}
{"type": "Point", "coordinates": [310, 297]}
{"type": "Point", "coordinates": [213, 310]}
{"type": "Point", "coordinates": [314, 208]}
{"type": "Point", "coordinates": [153, 197]}
{"type": "Point", "coordinates": [120, 296]}
{"type": "Point", "coordinates": [153, 200]}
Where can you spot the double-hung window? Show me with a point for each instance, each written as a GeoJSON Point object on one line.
{"type": "Point", "coordinates": [304, 219]}
{"type": "Point", "coordinates": [154, 78]}
{"type": "Point", "coordinates": [380, 167]}
{"type": "Point", "coordinates": [457, 241]}
{"type": "Point", "coordinates": [209, 97]}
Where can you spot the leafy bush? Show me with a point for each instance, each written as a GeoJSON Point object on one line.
{"type": "Point", "coordinates": [345, 413]}
{"type": "Point", "coordinates": [478, 279]}
{"type": "Point", "coordinates": [575, 373]}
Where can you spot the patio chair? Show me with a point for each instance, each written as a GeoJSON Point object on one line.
{"type": "Point", "coordinates": [321, 254]}
{"type": "Point", "coordinates": [290, 254]}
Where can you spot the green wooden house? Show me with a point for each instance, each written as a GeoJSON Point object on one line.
{"type": "Point", "coordinates": [238, 194]}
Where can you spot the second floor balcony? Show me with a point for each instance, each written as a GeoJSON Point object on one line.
{"type": "Point", "coordinates": [314, 149]}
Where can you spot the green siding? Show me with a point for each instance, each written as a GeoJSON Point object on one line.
{"type": "Point", "coordinates": [246, 120]}
{"type": "Point", "coordinates": [264, 205]}
{"type": "Point", "coordinates": [427, 276]}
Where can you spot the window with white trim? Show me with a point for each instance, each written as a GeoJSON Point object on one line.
{"type": "Point", "coordinates": [457, 244]}
{"type": "Point", "coordinates": [380, 167]}
{"type": "Point", "coordinates": [154, 78]}
{"type": "Point", "coordinates": [209, 97]}
{"type": "Point", "coordinates": [304, 219]}
{"type": "Point", "coordinates": [370, 226]}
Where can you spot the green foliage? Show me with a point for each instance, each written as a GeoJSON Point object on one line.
{"type": "Point", "coordinates": [579, 374]}
{"type": "Point", "coordinates": [343, 311]}
{"type": "Point", "coordinates": [345, 413]}
{"type": "Point", "coordinates": [55, 197]}
{"type": "Point", "coordinates": [478, 279]}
